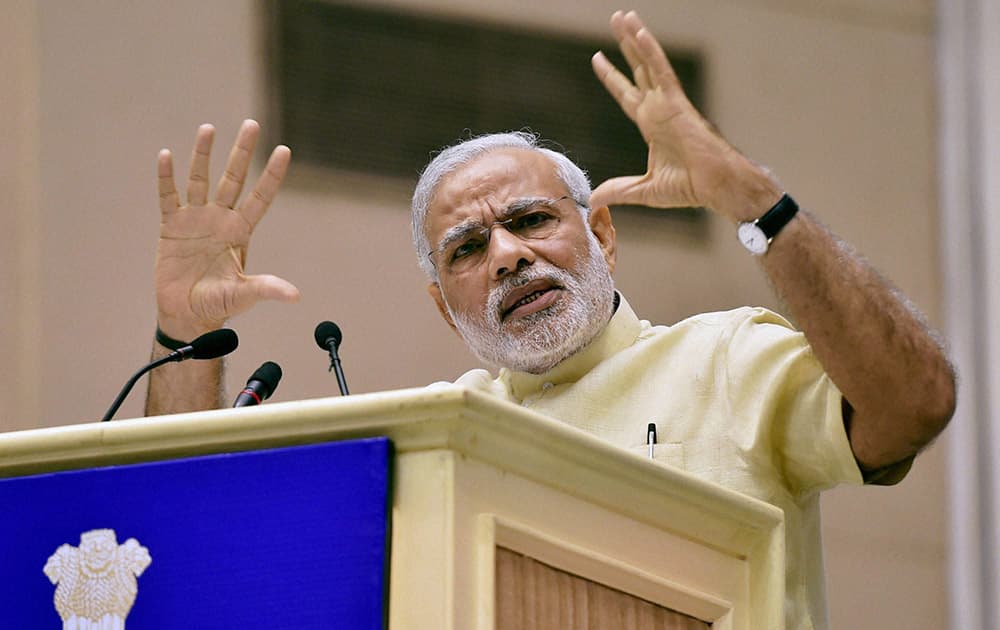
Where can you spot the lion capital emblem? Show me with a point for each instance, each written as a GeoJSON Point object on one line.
{"type": "Point", "coordinates": [96, 581]}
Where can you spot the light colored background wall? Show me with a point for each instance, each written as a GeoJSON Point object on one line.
{"type": "Point", "coordinates": [837, 97]}
{"type": "Point", "coordinates": [968, 43]}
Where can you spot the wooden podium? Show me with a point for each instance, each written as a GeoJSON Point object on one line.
{"type": "Point", "coordinates": [501, 518]}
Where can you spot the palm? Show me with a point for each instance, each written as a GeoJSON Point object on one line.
{"type": "Point", "coordinates": [201, 255]}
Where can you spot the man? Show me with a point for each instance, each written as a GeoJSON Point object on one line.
{"type": "Point", "coordinates": [520, 254]}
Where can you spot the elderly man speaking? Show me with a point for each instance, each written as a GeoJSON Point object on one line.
{"type": "Point", "coordinates": [520, 254]}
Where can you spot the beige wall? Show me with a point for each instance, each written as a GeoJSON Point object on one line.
{"type": "Point", "coordinates": [19, 185]}
{"type": "Point", "coordinates": [838, 98]}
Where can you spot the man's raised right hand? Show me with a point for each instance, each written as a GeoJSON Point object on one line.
{"type": "Point", "coordinates": [201, 254]}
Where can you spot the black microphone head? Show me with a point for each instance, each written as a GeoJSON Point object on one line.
{"type": "Point", "coordinates": [327, 333]}
{"type": "Point", "coordinates": [214, 344]}
{"type": "Point", "coordinates": [269, 374]}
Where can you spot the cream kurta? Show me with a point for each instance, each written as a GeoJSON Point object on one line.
{"type": "Point", "coordinates": [737, 398]}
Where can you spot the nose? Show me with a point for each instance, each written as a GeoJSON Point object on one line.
{"type": "Point", "coordinates": [507, 253]}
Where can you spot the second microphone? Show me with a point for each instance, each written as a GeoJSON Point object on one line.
{"type": "Point", "coordinates": [260, 385]}
{"type": "Point", "coordinates": [328, 337]}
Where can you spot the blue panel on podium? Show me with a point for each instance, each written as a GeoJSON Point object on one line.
{"type": "Point", "coordinates": [280, 538]}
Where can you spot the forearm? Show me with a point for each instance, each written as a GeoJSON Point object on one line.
{"type": "Point", "coordinates": [874, 346]}
{"type": "Point", "coordinates": [870, 340]}
{"type": "Point", "coordinates": [185, 386]}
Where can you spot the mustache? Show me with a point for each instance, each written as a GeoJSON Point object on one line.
{"type": "Point", "coordinates": [538, 271]}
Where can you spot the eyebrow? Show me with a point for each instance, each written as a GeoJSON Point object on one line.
{"type": "Point", "coordinates": [463, 229]}
{"type": "Point", "coordinates": [458, 232]}
{"type": "Point", "coordinates": [523, 204]}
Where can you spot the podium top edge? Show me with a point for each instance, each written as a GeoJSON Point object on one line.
{"type": "Point", "coordinates": [446, 417]}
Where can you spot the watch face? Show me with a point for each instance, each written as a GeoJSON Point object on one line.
{"type": "Point", "coordinates": [753, 238]}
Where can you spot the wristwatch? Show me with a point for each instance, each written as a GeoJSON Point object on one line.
{"type": "Point", "coordinates": [756, 235]}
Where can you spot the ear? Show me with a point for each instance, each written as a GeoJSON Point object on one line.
{"type": "Point", "coordinates": [434, 290]}
{"type": "Point", "coordinates": [604, 230]}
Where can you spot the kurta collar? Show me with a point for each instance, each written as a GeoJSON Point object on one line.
{"type": "Point", "coordinates": [620, 333]}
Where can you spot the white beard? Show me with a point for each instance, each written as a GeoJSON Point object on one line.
{"type": "Point", "coordinates": [538, 342]}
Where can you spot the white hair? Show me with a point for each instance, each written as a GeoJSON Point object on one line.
{"type": "Point", "coordinates": [456, 156]}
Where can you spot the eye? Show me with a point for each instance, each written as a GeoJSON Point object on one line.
{"type": "Point", "coordinates": [467, 248]}
{"type": "Point", "coordinates": [531, 221]}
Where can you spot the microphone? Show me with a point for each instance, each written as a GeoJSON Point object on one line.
{"type": "Point", "coordinates": [328, 337]}
{"type": "Point", "coordinates": [260, 386]}
{"type": "Point", "coordinates": [211, 345]}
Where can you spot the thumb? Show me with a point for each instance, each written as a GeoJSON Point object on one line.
{"type": "Point", "coordinates": [628, 190]}
{"type": "Point", "coordinates": [268, 287]}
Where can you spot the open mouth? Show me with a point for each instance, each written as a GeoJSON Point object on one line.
{"type": "Point", "coordinates": [534, 297]}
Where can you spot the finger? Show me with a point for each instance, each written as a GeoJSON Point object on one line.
{"type": "Point", "coordinates": [618, 27]}
{"type": "Point", "coordinates": [631, 24]}
{"type": "Point", "coordinates": [626, 43]}
{"type": "Point", "coordinates": [257, 203]}
{"type": "Point", "coordinates": [617, 84]}
{"type": "Point", "coordinates": [197, 183]}
{"type": "Point", "coordinates": [231, 182]}
{"type": "Point", "coordinates": [660, 72]}
{"type": "Point", "coordinates": [641, 77]}
{"type": "Point", "coordinates": [619, 191]}
{"type": "Point", "coordinates": [220, 302]}
{"type": "Point", "coordinates": [265, 287]}
{"type": "Point", "coordinates": [629, 48]}
{"type": "Point", "coordinates": [165, 182]}
{"type": "Point", "coordinates": [639, 74]}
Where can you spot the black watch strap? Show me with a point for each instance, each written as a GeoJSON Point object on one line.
{"type": "Point", "coordinates": [168, 342]}
{"type": "Point", "coordinates": [778, 216]}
